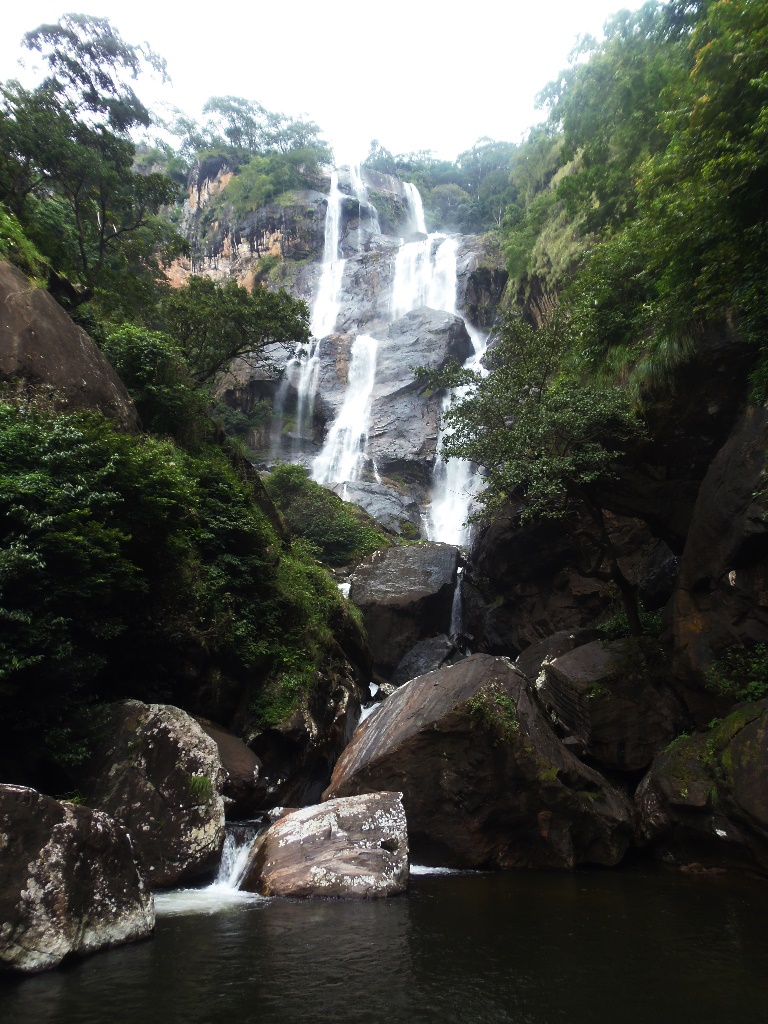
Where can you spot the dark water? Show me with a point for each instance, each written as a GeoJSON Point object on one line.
{"type": "Point", "coordinates": [588, 948]}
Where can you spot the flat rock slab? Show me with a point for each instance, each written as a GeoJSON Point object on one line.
{"type": "Point", "coordinates": [69, 882]}
{"type": "Point", "coordinates": [355, 848]}
{"type": "Point", "coordinates": [485, 780]}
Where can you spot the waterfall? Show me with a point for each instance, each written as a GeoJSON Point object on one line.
{"type": "Point", "coordinates": [343, 453]}
{"type": "Point", "coordinates": [326, 307]}
{"type": "Point", "coordinates": [238, 841]}
{"type": "Point", "coordinates": [416, 207]}
{"type": "Point", "coordinates": [361, 194]}
{"type": "Point", "coordinates": [457, 607]}
{"type": "Point", "coordinates": [455, 482]}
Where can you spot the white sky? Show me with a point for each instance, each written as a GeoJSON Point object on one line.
{"type": "Point", "coordinates": [411, 73]}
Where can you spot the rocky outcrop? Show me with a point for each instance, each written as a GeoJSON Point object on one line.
{"type": "Point", "coordinates": [69, 882]}
{"type": "Point", "coordinates": [531, 661]}
{"type": "Point", "coordinates": [405, 595]}
{"type": "Point", "coordinates": [705, 800]}
{"type": "Point", "coordinates": [481, 277]}
{"type": "Point", "coordinates": [160, 775]}
{"type": "Point", "coordinates": [355, 848]}
{"type": "Point", "coordinates": [242, 772]}
{"type": "Point", "coordinates": [44, 354]}
{"type": "Point", "coordinates": [485, 781]}
{"type": "Point", "coordinates": [722, 593]}
{"type": "Point", "coordinates": [531, 580]}
{"type": "Point", "coordinates": [611, 700]}
{"type": "Point", "coordinates": [395, 511]}
{"type": "Point", "coordinates": [297, 754]}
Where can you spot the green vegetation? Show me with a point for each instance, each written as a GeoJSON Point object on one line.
{"type": "Point", "coordinates": [338, 532]}
{"type": "Point", "coordinates": [495, 711]}
{"type": "Point", "coordinates": [200, 788]}
{"type": "Point", "coordinates": [740, 673]}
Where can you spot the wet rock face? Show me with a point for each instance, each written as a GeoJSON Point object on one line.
{"type": "Point", "coordinates": [485, 781]}
{"type": "Point", "coordinates": [41, 349]}
{"type": "Point", "coordinates": [298, 754]}
{"type": "Point", "coordinates": [405, 595]}
{"type": "Point", "coordinates": [530, 585]}
{"type": "Point", "coordinates": [611, 699]}
{"type": "Point", "coordinates": [69, 882]}
{"type": "Point", "coordinates": [481, 275]}
{"type": "Point", "coordinates": [242, 772]}
{"type": "Point", "coordinates": [356, 848]}
{"type": "Point", "coordinates": [705, 799]}
{"type": "Point", "coordinates": [721, 595]}
{"type": "Point", "coordinates": [426, 656]}
{"type": "Point", "coordinates": [161, 776]}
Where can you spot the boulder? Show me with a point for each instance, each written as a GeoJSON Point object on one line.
{"type": "Point", "coordinates": [43, 352]}
{"type": "Point", "coordinates": [69, 882]}
{"type": "Point", "coordinates": [485, 780]}
{"type": "Point", "coordinates": [405, 595]}
{"type": "Point", "coordinates": [721, 594]}
{"type": "Point", "coordinates": [397, 512]}
{"type": "Point", "coordinates": [426, 656]}
{"type": "Point", "coordinates": [242, 771]}
{"type": "Point", "coordinates": [611, 699]}
{"type": "Point", "coordinates": [705, 799]}
{"type": "Point", "coordinates": [355, 848]}
{"type": "Point", "coordinates": [531, 661]}
{"type": "Point", "coordinates": [161, 776]}
{"type": "Point", "coordinates": [534, 580]}
{"type": "Point", "coordinates": [404, 419]}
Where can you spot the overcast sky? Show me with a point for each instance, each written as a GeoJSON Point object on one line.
{"type": "Point", "coordinates": [413, 74]}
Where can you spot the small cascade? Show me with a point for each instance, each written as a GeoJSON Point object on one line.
{"type": "Point", "coordinates": [415, 205]}
{"type": "Point", "coordinates": [457, 607]}
{"type": "Point", "coordinates": [361, 194]}
{"type": "Point", "coordinates": [238, 841]}
{"type": "Point", "coordinates": [343, 454]}
{"type": "Point", "coordinates": [308, 361]}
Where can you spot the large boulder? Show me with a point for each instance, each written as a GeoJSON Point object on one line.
{"type": "Point", "coordinates": [242, 771]}
{"type": "Point", "coordinates": [426, 656]}
{"type": "Point", "coordinates": [43, 352]}
{"type": "Point", "coordinates": [160, 775]}
{"type": "Point", "coordinates": [705, 799]}
{"type": "Point", "coordinates": [721, 594]}
{"type": "Point", "coordinates": [405, 595]}
{"type": "Point", "coordinates": [612, 699]}
{"type": "Point", "coordinates": [404, 419]}
{"type": "Point", "coordinates": [485, 780]}
{"type": "Point", "coordinates": [69, 882]}
{"type": "Point", "coordinates": [352, 848]}
{"type": "Point", "coordinates": [533, 658]}
{"type": "Point", "coordinates": [533, 579]}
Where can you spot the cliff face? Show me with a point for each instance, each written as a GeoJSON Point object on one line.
{"type": "Point", "coordinates": [43, 353]}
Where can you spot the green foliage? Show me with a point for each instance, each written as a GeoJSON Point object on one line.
{"type": "Point", "coordinates": [740, 673]}
{"type": "Point", "coordinates": [200, 788]}
{"type": "Point", "coordinates": [66, 160]}
{"type": "Point", "coordinates": [495, 711]}
{"type": "Point", "coordinates": [542, 431]}
{"type": "Point", "coordinates": [17, 248]}
{"type": "Point", "coordinates": [617, 627]}
{"type": "Point", "coordinates": [263, 179]}
{"type": "Point", "coordinates": [123, 559]}
{"type": "Point", "coordinates": [339, 532]}
{"type": "Point", "coordinates": [153, 368]}
{"type": "Point", "coordinates": [212, 324]}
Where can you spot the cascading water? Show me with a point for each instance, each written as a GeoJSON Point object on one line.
{"type": "Point", "coordinates": [343, 453]}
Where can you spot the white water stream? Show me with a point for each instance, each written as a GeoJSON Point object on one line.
{"type": "Point", "coordinates": [225, 890]}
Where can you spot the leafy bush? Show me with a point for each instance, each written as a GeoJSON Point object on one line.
{"type": "Point", "coordinates": [339, 531]}
{"type": "Point", "coordinates": [740, 673]}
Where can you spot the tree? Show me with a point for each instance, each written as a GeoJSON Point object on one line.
{"type": "Point", "coordinates": [544, 435]}
{"type": "Point", "coordinates": [66, 159]}
{"type": "Point", "coordinates": [214, 324]}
